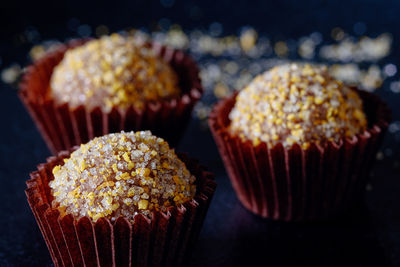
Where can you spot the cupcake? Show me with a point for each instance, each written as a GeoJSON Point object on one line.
{"type": "Point", "coordinates": [298, 144]}
{"type": "Point", "coordinates": [89, 88]}
{"type": "Point", "coordinates": [121, 199]}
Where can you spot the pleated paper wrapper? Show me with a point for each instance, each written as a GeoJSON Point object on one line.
{"type": "Point", "coordinates": [298, 184]}
{"type": "Point", "coordinates": [164, 240]}
{"type": "Point", "coordinates": [63, 127]}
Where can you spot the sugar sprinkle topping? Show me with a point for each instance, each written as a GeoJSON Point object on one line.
{"type": "Point", "coordinates": [121, 174]}
{"type": "Point", "coordinates": [295, 103]}
{"type": "Point", "coordinates": [113, 71]}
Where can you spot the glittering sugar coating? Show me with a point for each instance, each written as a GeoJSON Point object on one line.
{"type": "Point", "coordinates": [113, 71]}
{"type": "Point", "coordinates": [296, 103]}
{"type": "Point", "coordinates": [121, 174]}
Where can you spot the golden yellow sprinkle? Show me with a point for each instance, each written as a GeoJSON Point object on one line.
{"type": "Point", "coordinates": [143, 203]}
{"type": "Point", "coordinates": [319, 78]}
{"type": "Point", "coordinates": [126, 157]}
{"type": "Point", "coordinates": [56, 169]}
{"type": "Point", "coordinates": [114, 167]}
{"type": "Point", "coordinates": [176, 179]}
{"type": "Point", "coordinates": [318, 100]}
{"type": "Point", "coordinates": [131, 165]}
{"type": "Point", "coordinates": [291, 117]}
{"type": "Point", "coordinates": [125, 175]}
{"type": "Point", "coordinates": [82, 165]}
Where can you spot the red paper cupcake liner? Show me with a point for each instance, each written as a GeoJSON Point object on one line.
{"type": "Point", "coordinates": [298, 184]}
{"type": "Point", "coordinates": [63, 127]}
{"type": "Point", "coordinates": [164, 240]}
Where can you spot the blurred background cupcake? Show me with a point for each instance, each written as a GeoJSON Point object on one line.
{"type": "Point", "coordinates": [297, 143]}
{"type": "Point", "coordinates": [122, 199]}
{"type": "Point", "coordinates": [88, 88]}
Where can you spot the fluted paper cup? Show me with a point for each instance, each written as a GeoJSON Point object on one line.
{"type": "Point", "coordinates": [63, 127]}
{"type": "Point", "coordinates": [295, 184]}
{"type": "Point", "coordinates": [165, 239]}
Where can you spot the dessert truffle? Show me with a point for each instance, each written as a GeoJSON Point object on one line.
{"type": "Point", "coordinates": [297, 103]}
{"type": "Point", "coordinates": [113, 71]}
{"type": "Point", "coordinates": [121, 174]}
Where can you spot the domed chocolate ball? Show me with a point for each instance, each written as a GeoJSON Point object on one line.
{"type": "Point", "coordinates": [113, 71]}
{"type": "Point", "coordinates": [296, 103]}
{"type": "Point", "coordinates": [121, 174]}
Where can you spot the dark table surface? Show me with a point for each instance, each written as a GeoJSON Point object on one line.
{"type": "Point", "coordinates": [368, 236]}
{"type": "Point", "coordinates": [232, 236]}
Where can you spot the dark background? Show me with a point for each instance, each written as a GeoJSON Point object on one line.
{"type": "Point", "coordinates": [368, 236]}
{"type": "Point", "coordinates": [279, 19]}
